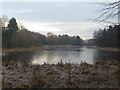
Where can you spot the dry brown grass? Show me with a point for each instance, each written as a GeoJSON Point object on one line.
{"type": "Point", "coordinates": [100, 75]}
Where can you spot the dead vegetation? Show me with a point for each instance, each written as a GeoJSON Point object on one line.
{"type": "Point", "coordinates": [61, 75]}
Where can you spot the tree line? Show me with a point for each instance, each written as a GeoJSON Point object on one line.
{"type": "Point", "coordinates": [14, 36]}
{"type": "Point", "coordinates": [107, 37]}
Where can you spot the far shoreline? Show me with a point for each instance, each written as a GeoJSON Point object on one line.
{"type": "Point", "coordinates": [57, 46]}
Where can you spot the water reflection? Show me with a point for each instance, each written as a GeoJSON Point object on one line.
{"type": "Point", "coordinates": [105, 55]}
{"type": "Point", "coordinates": [45, 56]}
{"type": "Point", "coordinates": [88, 54]}
{"type": "Point", "coordinates": [18, 57]}
{"type": "Point", "coordinates": [55, 55]}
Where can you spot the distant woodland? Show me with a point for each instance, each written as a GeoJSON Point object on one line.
{"type": "Point", "coordinates": [107, 37]}
{"type": "Point", "coordinates": [19, 37]}
{"type": "Point", "coordinates": [14, 36]}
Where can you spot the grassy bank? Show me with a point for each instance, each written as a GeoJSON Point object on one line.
{"type": "Point", "coordinates": [100, 75]}
{"type": "Point", "coordinates": [104, 48]}
{"type": "Point", "coordinates": [22, 49]}
{"type": "Point", "coordinates": [57, 46]}
{"type": "Point", "coordinates": [33, 48]}
{"type": "Point", "coordinates": [109, 49]}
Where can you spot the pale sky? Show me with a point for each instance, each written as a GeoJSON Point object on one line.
{"type": "Point", "coordinates": [70, 17]}
{"type": "Point", "coordinates": [58, 0]}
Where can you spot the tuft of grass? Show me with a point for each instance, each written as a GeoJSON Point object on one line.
{"type": "Point", "coordinates": [37, 79]}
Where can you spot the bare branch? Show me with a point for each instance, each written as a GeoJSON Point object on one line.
{"type": "Point", "coordinates": [104, 21]}
{"type": "Point", "coordinates": [110, 11]}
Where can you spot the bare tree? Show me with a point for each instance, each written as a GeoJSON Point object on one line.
{"type": "Point", "coordinates": [21, 26]}
{"type": "Point", "coordinates": [4, 20]}
{"type": "Point", "coordinates": [110, 11]}
{"type": "Point", "coordinates": [1, 23]}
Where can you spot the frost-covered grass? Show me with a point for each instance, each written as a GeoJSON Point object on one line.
{"type": "Point", "coordinates": [103, 74]}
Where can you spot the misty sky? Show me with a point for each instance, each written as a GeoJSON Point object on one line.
{"type": "Point", "coordinates": [72, 18]}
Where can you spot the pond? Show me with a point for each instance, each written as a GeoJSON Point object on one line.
{"type": "Point", "coordinates": [55, 55]}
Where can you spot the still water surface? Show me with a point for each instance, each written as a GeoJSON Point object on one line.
{"type": "Point", "coordinates": [55, 55]}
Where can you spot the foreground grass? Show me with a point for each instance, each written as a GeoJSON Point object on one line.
{"type": "Point", "coordinates": [101, 75]}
